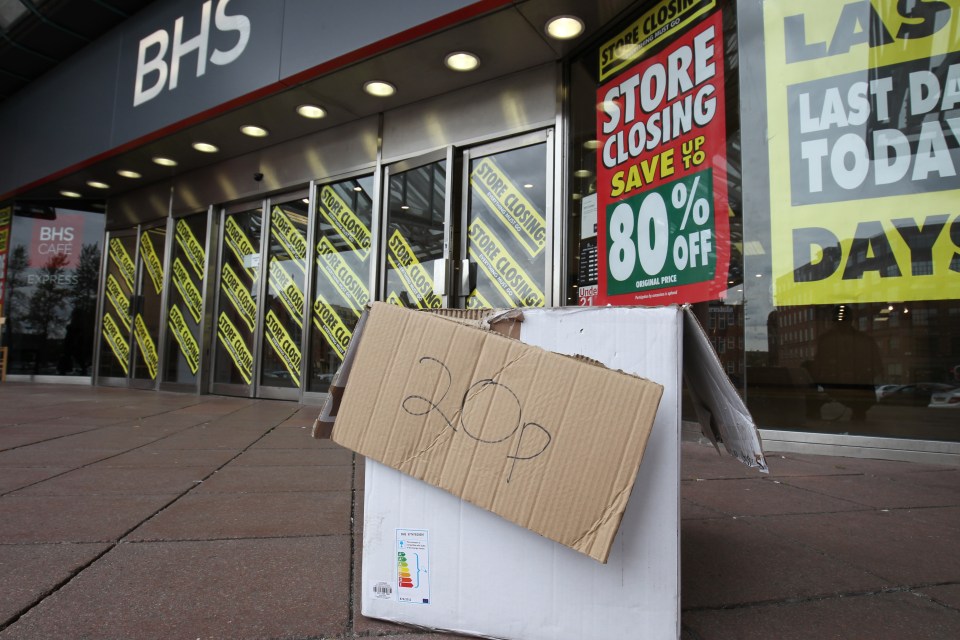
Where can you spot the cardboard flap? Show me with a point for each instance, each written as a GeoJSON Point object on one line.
{"type": "Point", "coordinates": [494, 421]}
{"type": "Point", "coordinates": [323, 425]}
{"type": "Point", "coordinates": [506, 322]}
{"type": "Point", "coordinates": [720, 410]}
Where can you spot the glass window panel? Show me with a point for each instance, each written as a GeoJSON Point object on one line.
{"type": "Point", "coordinates": [507, 228]}
{"type": "Point", "coordinates": [147, 316]}
{"type": "Point", "coordinates": [414, 235]}
{"type": "Point", "coordinates": [185, 299]}
{"type": "Point", "coordinates": [237, 298]}
{"type": "Point", "coordinates": [341, 272]}
{"type": "Point", "coordinates": [861, 364]}
{"type": "Point", "coordinates": [118, 307]}
{"type": "Point", "coordinates": [52, 276]}
{"type": "Point", "coordinates": [286, 262]}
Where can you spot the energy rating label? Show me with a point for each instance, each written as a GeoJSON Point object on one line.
{"type": "Point", "coordinates": [413, 566]}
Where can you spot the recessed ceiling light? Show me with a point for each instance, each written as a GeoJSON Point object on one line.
{"type": "Point", "coordinates": [305, 200]}
{"type": "Point", "coordinates": [311, 111]}
{"type": "Point", "coordinates": [206, 147]}
{"type": "Point", "coordinates": [127, 173]}
{"type": "Point", "coordinates": [461, 61]}
{"type": "Point", "coordinates": [591, 144]}
{"type": "Point", "coordinates": [358, 188]}
{"type": "Point", "coordinates": [404, 207]}
{"type": "Point", "coordinates": [379, 88]}
{"type": "Point", "coordinates": [69, 194]}
{"type": "Point", "coordinates": [583, 173]}
{"type": "Point", "coordinates": [254, 131]}
{"type": "Point", "coordinates": [564, 27]}
{"type": "Point", "coordinates": [165, 162]}
{"type": "Point", "coordinates": [96, 184]}
{"type": "Point", "coordinates": [527, 185]}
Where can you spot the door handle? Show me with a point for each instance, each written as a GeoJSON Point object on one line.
{"type": "Point", "coordinates": [440, 277]}
{"type": "Point", "coordinates": [468, 277]}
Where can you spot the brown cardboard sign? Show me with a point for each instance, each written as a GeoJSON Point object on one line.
{"type": "Point", "coordinates": [547, 441]}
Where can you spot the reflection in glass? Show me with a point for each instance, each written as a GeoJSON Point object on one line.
{"type": "Point", "coordinates": [415, 226]}
{"type": "Point", "coordinates": [286, 262]}
{"type": "Point", "coordinates": [237, 299]}
{"type": "Point", "coordinates": [341, 272]}
{"type": "Point", "coordinates": [52, 274]}
{"type": "Point", "coordinates": [185, 299]}
{"type": "Point", "coordinates": [507, 228]}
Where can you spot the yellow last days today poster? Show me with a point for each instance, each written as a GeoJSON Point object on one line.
{"type": "Point", "coordinates": [863, 101]}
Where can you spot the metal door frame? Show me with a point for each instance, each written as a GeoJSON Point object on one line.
{"type": "Point", "coordinates": [136, 383]}
{"type": "Point", "coordinates": [318, 397]}
{"type": "Point", "coordinates": [484, 149]}
{"type": "Point", "coordinates": [203, 366]}
{"type": "Point", "coordinates": [114, 381]}
{"type": "Point", "coordinates": [261, 390]}
{"type": "Point", "coordinates": [227, 388]}
{"type": "Point", "coordinates": [443, 271]}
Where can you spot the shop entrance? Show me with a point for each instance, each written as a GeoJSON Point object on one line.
{"type": "Point", "coordinates": [259, 314]}
{"type": "Point", "coordinates": [131, 310]}
{"type": "Point", "coordinates": [470, 229]}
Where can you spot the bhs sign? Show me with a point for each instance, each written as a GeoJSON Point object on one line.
{"type": "Point", "coordinates": [156, 69]}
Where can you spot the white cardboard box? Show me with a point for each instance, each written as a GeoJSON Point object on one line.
{"type": "Point", "coordinates": [435, 561]}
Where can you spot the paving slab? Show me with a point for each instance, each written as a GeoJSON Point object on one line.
{"type": "Point", "coordinates": [111, 438]}
{"type": "Point", "coordinates": [691, 511]}
{"type": "Point", "coordinates": [892, 616]}
{"type": "Point", "coordinates": [947, 595]}
{"type": "Point", "coordinates": [321, 457]}
{"type": "Point", "coordinates": [198, 516]}
{"type": "Point", "coordinates": [759, 496]}
{"type": "Point", "coordinates": [31, 571]}
{"type": "Point", "coordinates": [13, 478]}
{"type": "Point", "coordinates": [891, 544]}
{"type": "Point", "coordinates": [931, 489]}
{"type": "Point", "coordinates": [948, 517]}
{"type": "Point", "coordinates": [259, 479]}
{"type": "Point", "coordinates": [42, 455]}
{"type": "Point", "coordinates": [731, 562]}
{"type": "Point", "coordinates": [151, 456]}
{"type": "Point", "coordinates": [19, 435]}
{"type": "Point", "coordinates": [213, 437]}
{"type": "Point", "coordinates": [97, 480]}
{"type": "Point", "coordinates": [289, 588]}
{"type": "Point", "coordinates": [96, 518]}
{"type": "Point", "coordinates": [286, 437]}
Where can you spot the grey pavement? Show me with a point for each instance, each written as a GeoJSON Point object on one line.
{"type": "Point", "coordinates": [138, 514]}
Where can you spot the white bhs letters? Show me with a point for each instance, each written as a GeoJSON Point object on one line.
{"type": "Point", "coordinates": [152, 56]}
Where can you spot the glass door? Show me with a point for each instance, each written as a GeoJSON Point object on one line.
{"type": "Point", "coordinates": [341, 273]}
{"type": "Point", "coordinates": [130, 324]}
{"type": "Point", "coordinates": [417, 232]}
{"type": "Point", "coordinates": [506, 204]}
{"type": "Point", "coordinates": [237, 296]}
{"type": "Point", "coordinates": [182, 354]}
{"type": "Point", "coordinates": [148, 306]}
{"type": "Point", "coordinates": [117, 308]}
{"type": "Point", "coordinates": [282, 318]}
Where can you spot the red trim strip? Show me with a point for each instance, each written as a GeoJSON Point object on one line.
{"type": "Point", "coordinates": [391, 42]}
